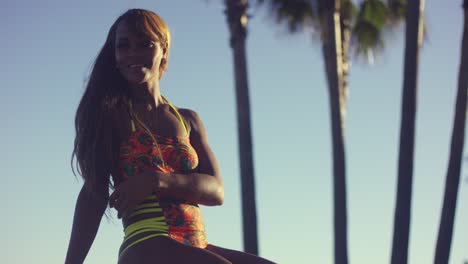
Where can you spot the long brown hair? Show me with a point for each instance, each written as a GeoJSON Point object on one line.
{"type": "Point", "coordinates": [96, 145]}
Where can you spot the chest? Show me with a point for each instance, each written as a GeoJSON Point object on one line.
{"type": "Point", "coordinates": [157, 140]}
{"type": "Point", "coordinates": [162, 121]}
{"type": "Point", "coordinates": [142, 152]}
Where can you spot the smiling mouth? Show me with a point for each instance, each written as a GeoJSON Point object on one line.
{"type": "Point", "coordinates": [131, 66]}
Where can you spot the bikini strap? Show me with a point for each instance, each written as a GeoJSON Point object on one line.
{"type": "Point", "coordinates": [179, 116]}
{"type": "Point", "coordinates": [132, 123]}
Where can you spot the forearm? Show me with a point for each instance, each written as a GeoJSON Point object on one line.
{"type": "Point", "coordinates": [199, 188]}
{"type": "Point", "coordinates": [86, 220]}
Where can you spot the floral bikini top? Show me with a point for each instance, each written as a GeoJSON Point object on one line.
{"type": "Point", "coordinates": [144, 151]}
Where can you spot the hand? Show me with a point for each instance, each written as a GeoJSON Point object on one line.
{"type": "Point", "coordinates": [133, 191]}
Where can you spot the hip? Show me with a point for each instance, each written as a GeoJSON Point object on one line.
{"type": "Point", "coordinates": [163, 249]}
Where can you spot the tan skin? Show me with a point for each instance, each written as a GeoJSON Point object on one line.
{"type": "Point", "coordinates": [204, 186]}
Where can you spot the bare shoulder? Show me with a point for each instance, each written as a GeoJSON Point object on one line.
{"type": "Point", "coordinates": [193, 119]}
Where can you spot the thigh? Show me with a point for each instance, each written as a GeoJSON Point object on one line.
{"type": "Point", "coordinates": [237, 257]}
{"type": "Point", "coordinates": [162, 250]}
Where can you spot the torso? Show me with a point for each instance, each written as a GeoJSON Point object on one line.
{"type": "Point", "coordinates": [138, 153]}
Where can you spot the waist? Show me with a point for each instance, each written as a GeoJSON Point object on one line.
{"type": "Point", "coordinates": [164, 215]}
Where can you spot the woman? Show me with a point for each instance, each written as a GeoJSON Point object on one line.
{"type": "Point", "coordinates": [156, 155]}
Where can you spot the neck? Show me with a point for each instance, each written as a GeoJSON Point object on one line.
{"type": "Point", "coordinates": [147, 94]}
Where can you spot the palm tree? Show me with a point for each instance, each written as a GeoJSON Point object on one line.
{"type": "Point", "coordinates": [444, 238]}
{"type": "Point", "coordinates": [414, 38]}
{"type": "Point", "coordinates": [236, 12]}
{"type": "Point", "coordinates": [331, 49]}
{"type": "Point", "coordinates": [341, 28]}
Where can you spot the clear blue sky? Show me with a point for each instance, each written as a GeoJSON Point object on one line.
{"type": "Point", "coordinates": [47, 49]}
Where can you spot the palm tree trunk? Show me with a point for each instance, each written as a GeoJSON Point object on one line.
{"type": "Point", "coordinates": [345, 23]}
{"type": "Point", "coordinates": [444, 238]}
{"type": "Point", "coordinates": [334, 70]}
{"type": "Point", "coordinates": [236, 11]}
{"type": "Point", "coordinates": [414, 34]}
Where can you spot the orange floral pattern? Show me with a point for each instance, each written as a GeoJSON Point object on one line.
{"type": "Point", "coordinates": [139, 153]}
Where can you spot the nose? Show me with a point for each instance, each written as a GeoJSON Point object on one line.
{"type": "Point", "coordinates": [132, 50]}
{"type": "Point", "coordinates": [130, 56]}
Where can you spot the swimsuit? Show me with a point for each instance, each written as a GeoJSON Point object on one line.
{"type": "Point", "coordinates": [179, 220]}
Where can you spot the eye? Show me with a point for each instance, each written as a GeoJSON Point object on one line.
{"type": "Point", "coordinates": [148, 44]}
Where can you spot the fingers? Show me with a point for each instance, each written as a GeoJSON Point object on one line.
{"type": "Point", "coordinates": [122, 205]}
{"type": "Point", "coordinates": [119, 205]}
{"type": "Point", "coordinates": [125, 209]}
{"type": "Point", "coordinates": [115, 196]}
{"type": "Point", "coordinates": [117, 200]}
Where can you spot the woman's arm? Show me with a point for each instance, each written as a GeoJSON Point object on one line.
{"type": "Point", "coordinates": [204, 186]}
{"type": "Point", "coordinates": [88, 213]}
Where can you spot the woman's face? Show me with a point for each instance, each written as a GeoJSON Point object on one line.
{"type": "Point", "coordinates": [138, 58]}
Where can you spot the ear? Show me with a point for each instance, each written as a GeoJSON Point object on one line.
{"type": "Point", "coordinates": [163, 64]}
{"type": "Point", "coordinates": [164, 53]}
